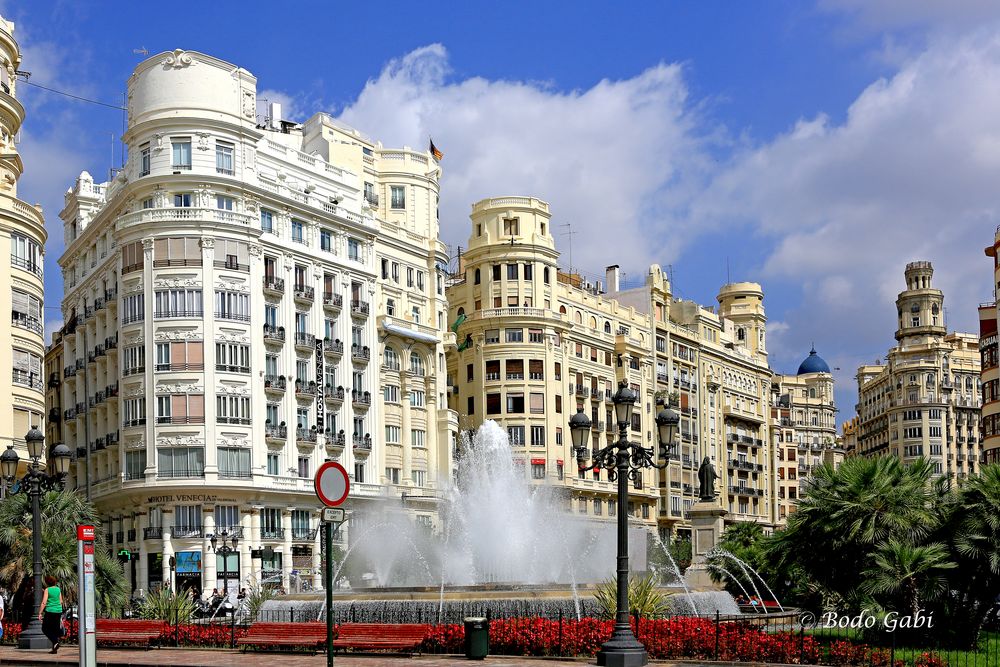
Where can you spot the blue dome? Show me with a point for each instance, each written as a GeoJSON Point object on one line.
{"type": "Point", "coordinates": [813, 364]}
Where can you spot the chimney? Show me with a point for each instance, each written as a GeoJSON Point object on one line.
{"type": "Point", "coordinates": [275, 115]}
{"type": "Point", "coordinates": [612, 275]}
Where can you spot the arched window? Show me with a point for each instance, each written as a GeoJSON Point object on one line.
{"type": "Point", "coordinates": [915, 308]}
{"type": "Point", "coordinates": [934, 309]}
{"type": "Point", "coordinates": [741, 334]}
{"type": "Point", "coordinates": [578, 317]}
{"type": "Point", "coordinates": [545, 275]}
{"type": "Point", "coordinates": [416, 364]}
{"type": "Point", "coordinates": [968, 383]}
{"type": "Point", "coordinates": [930, 379]}
{"type": "Point", "coordinates": [461, 312]}
{"type": "Point", "coordinates": [593, 322]}
{"type": "Point", "coordinates": [478, 277]}
{"type": "Point", "coordinates": [562, 310]}
{"type": "Point", "coordinates": [812, 392]}
{"type": "Point", "coordinates": [390, 358]}
{"type": "Point", "coordinates": [607, 327]}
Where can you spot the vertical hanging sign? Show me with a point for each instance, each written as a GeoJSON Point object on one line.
{"type": "Point", "coordinates": [86, 606]}
{"type": "Point", "coordinates": [319, 387]}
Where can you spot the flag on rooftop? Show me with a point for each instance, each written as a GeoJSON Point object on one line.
{"type": "Point", "coordinates": [435, 152]}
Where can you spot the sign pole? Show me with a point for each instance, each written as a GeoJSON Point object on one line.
{"type": "Point", "coordinates": [86, 623]}
{"type": "Point", "coordinates": [328, 541]}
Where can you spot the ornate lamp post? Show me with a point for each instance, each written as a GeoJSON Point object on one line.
{"type": "Point", "coordinates": [35, 482]}
{"type": "Point", "coordinates": [624, 461]}
{"type": "Point", "coordinates": [225, 550]}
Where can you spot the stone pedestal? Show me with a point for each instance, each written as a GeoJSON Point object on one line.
{"type": "Point", "coordinates": [707, 525]}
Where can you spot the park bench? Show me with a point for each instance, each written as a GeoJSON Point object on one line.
{"type": "Point", "coordinates": [291, 635]}
{"type": "Point", "coordinates": [128, 631]}
{"type": "Point", "coordinates": [380, 636]}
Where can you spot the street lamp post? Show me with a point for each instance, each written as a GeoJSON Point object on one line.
{"type": "Point", "coordinates": [225, 550]}
{"type": "Point", "coordinates": [624, 461]}
{"type": "Point", "coordinates": [35, 482]}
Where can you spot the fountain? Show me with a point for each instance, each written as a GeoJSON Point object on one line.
{"type": "Point", "coordinates": [507, 548]}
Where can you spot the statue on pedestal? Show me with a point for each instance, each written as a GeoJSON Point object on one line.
{"type": "Point", "coordinates": [706, 481]}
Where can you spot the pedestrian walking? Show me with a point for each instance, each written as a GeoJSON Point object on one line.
{"type": "Point", "coordinates": [2, 609]}
{"type": "Point", "coordinates": [50, 612]}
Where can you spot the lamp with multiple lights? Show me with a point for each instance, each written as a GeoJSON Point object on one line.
{"type": "Point", "coordinates": [220, 545]}
{"type": "Point", "coordinates": [36, 480]}
{"type": "Point", "coordinates": [624, 461]}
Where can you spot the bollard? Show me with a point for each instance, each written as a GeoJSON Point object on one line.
{"type": "Point", "coordinates": [716, 634]}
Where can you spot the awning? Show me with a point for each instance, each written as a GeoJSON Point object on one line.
{"type": "Point", "coordinates": [405, 332]}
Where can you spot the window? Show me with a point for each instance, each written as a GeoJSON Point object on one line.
{"type": "Point", "coordinates": [390, 393]}
{"type": "Point", "coordinates": [409, 276]}
{"type": "Point", "coordinates": [416, 364]}
{"type": "Point", "coordinates": [537, 436]}
{"type": "Point", "coordinates": [515, 404]}
{"type": "Point", "coordinates": [392, 475]}
{"type": "Point", "coordinates": [397, 196]}
{"type": "Point", "coordinates": [493, 403]}
{"type": "Point", "coordinates": [298, 231]}
{"type": "Point", "coordinates": [180, 356]}
{"type": "Point", "coordinates": [514, 335]}
{"type": "Point", "coordinates": [266, 220]}
{"type": "Point", "coordinates": [417, 398]}
{"type": "Point", "coordinates": [273, 464]}
{"type": "Point", "coordinates": [177, 251]}
{"type": "Point", "coordinates": [181, 462]}
{"type": "Point", "coordinates": [354, 249]}
{"type": "Point", "coordinates": [234, 462]}
{"type": "Point", "coordinates": [232, 357]}
{"type": "Point", "coordinates": [516, 435]}
{"type": "Point", "coordinates": [183, 200]}
{"type": "Point", "coordinates": [134, 412]}
{"type": "Point", "coordinates": [390, 359]}
{"type": "Point", "coordinates": [26, 311]}
{"type": "Point", "coordinates": [180, 409]}
{"type": "Point", "coordinates": [515, 369]}
{"type": "Point", "coordinates": [178, 303]}
{"type": "Point", "coordinates": [393, 434]}
{"type": "Point", "coordinates": [224, 158]}
{"type": "Point", "coordinates": [325, 240]}
{"type": "Point", "coordinates": [477, 277]}
{"type": "Point", "coordinates": [27, 254]}
{"type": "Point", "coordinates": [233, 306]}
{"type": "Point", "coordinates": [181, 149]}
{"type": "Point", "coordinates": [537, 403]}
{"type": "Point", "coordinates": [419, 477]}
{"type": "Point", "coordinates": [510, 227]}
{"type": "Point", "coordinates": [135, 465]}
{"type": "Point", "coordinates": [27, 369]}
{"type": "Point", "coordinates": [418, 438]}
{"type": "Point", "coordinates": [134, 360]}
{"type": "Point", "coordinates": [512, 272]}
{"type": "Point", "coordinates": [537, 470]}
{"type": "Point", "coordinates": [144, 160]}
{"type": "Point", "coordinates": [147, 203]}
{"type": "Point", "coordinates": [359, 472]}
{"type": "Point", "coordinates": [528, 271]}
{"type": "Point", "coordinates": [395, 272]}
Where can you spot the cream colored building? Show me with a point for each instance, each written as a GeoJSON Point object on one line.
{"type": "Point", "coordinates": [536, 345]}
{"type": "Point", "coordinates": [54, 369]}
{"type": "Point", "coordinates": [224, 333]}
{"type": "Point", "coordinates": [925, 400]}
{"type": "Point", "coordinates": [849, 436]}
{"type": "Point", "coordinates": [539, 343]}
{"type": "Point", "coordinates": [22, 237]}
{"type": "Point", "coordinates": [804, 427]}
{"type": "Point", "coordinates": [988, 320]}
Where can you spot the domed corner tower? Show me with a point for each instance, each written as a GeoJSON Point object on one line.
{"type": "Point", "coordinates": [920, 307]}
{"type": "Point", "coordinates": [813, 364]}
{"type": "Point", "coordinates": [743, 305]}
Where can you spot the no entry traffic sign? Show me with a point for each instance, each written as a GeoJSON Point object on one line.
{"type": "Point", "coordinates": [332, 484]}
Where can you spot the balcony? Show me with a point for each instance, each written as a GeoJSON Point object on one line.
{"type": "Point", "coordinates": [333, 394]}
{"type": "Point", "coordinates": [131, 535]}
{"type": "Point", "coordinates": [234, 473]}
{"type": "Point", "coordinates": [275, 384]}
{"type": "Point", "coordinates": [152, 533]}
{"type": "Point", "coordinates": [361, 400]}
{"type": "Point", "coordinates": [305, 435]}
{"type": "Point", "coordinates": [177, 313]}
{"type": "Point", "coordinates": [335, 441]}
{"type": "Point", "coordinates": [180, 474]}
{"type": "Point", "coordinates": [333, 348]}
{"type": "Point", "coordinates": [597, 426]}
{"type": "Point", "coordinates": [583, 392]}
{"type": "Point", "coordinates": [371, 198]}
{"type": "Point", "coordinates": [332, 301]}
{"type": "Point", "coordinates": [359, 308]}
{"type": "Point", "coordinates": [80, 365]}
{"type": "Point", "coordinates": [276, 433]}
{"type": "Point", "coordinates": [360, 354]}
{"type": "Point", "coordinates": [69, 371]}
{"type": "Point", "coordinates": [24, 321]}
{"type": "Point", "coordinates": [272, 533]}
{"type": "Point", "coordinates": [69, 415]}
{"type": "Point", "coordinates": [305, 389]}
{"type": "Point", "coordinates": [54, 416]}
{"type": "Point", "coordinates": [305, 341]}
{"type": "Point", "coordinates": [274, 285]}
{"type": "Point", "coordinates": [304, 534]}
{"type": "Point", "coordinates": [112, 438]}
{"type": "Point", "coordinates": [111, 296]}
{"type": "Point", "coordinates": [180, 419]}
{"type": "Point", "coordinates": [185, 531]}
{"type": "Point", "coordinates": [54, 380]}
{"type": "Point", "coordinates": [81, 409]}
{"type": "Point", "coordinates": [81, 452]}
{"type": "Point", "coordinates": [361, 445]}
{"type": "Point", "coordinates": [274, 334]}
{"type": "Point", "coordinates": [111, 342]}
{"type": "Point", "coordinates": [304, 293]}
{"type": "Point", "coordinates": [99, 303]}
{"type": "Point", "coordinates": [111, 391]}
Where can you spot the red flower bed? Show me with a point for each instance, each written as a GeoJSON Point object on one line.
{"type": "Point", "coordinates": [664, 639]}
{"type": "Point", "coordinates": [11, 631]}
{"type": "Point", "coordinates": [215, 635]}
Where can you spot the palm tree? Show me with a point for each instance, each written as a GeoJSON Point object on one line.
{"type": "Point", "coordinates": [914, 573]}
{"type": "Point", "coordinates": [61, 513]}
{"type": "Point", "coordinates": [846, 515]}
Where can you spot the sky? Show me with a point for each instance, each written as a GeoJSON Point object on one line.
{"type": "Point", "coordinates": [813, 146]}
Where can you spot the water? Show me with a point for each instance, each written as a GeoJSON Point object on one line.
{"type": "Point", "coordinates": [732, 577]}
{"type": "Point", "coordinates": [746, 570]}
{"type": "Point", "coordinates": [677, 572]}
{"type": "Point", "coordinates": [498, 529]}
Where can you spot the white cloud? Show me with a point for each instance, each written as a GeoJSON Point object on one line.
{"type": "Point", "coordinates": [877, 15]}
{"type": "Point", "coordinates": [911, 174]}
{"type": "Point", "coordinates": [601, 157]}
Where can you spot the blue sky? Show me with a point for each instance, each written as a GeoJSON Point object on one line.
{"type": "Point", "coordinates": [812, 147]}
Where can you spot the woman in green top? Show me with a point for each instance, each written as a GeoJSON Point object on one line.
{"type": "Point", "coordinates": [50, 613]}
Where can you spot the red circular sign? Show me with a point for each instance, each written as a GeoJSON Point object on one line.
{"type": "Point", "coordinates": [332, 484]}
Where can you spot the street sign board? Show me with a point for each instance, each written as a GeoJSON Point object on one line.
{"type": "Point", "coordinates": [332, 484]}
{"type": "Point", "coordinates": [334, 514]}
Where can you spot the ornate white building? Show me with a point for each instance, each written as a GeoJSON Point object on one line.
{"type": "Point", "coordinates": [224, 327]}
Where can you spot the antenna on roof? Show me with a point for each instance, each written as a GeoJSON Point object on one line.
{"type": "Point", "coordinates": [570, 233]}
{"type": "Point", "coordinates": [141, 51]}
